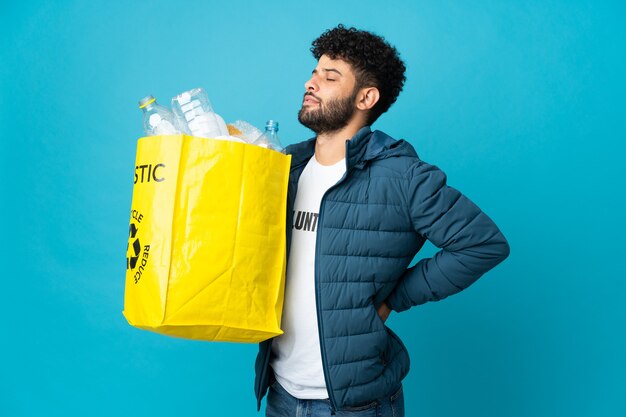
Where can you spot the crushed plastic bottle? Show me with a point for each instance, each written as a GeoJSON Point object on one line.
{"type": "Point", "coordinates": [157, 119]}
{"type": "Point", "coordinates": [244, 130]}
{"type": "Point", "coordinates": [195, 114]}
{"type": "Point", "coordinates": [269, 139]}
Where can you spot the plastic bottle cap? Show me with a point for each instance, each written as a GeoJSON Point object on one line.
{"type": "Point", "coordinates": [272, 124]}
{"type": "Point", "coordinates": [145, 101]}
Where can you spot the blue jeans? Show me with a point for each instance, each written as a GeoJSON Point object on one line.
{"type": "Point", "coordinates": [281, 404]}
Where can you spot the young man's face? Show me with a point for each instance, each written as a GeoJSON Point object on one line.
{"type": "Point", "coordinates": [330, 98]}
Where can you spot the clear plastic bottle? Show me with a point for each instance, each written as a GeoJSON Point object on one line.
{"type": "Point", "coordinates": [269, 139]}
{"type": "Point", "coordinates": [157, 120]}
{"type": "Point", "coordinates": [196, 116]}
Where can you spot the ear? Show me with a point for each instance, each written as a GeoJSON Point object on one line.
{"type": "Point", "coordinates": [367, 98]}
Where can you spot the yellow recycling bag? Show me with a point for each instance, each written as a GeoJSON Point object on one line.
{"type": "Point", "coordinates": [206, 253]}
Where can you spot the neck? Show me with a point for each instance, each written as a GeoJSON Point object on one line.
{"type": "Point", "coordinates": [330, 147]}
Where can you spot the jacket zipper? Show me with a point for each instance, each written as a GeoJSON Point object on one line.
{"type": "Point", "coordinates": [320, 328]}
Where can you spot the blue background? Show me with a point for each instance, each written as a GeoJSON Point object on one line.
{"type": "Point", "coordinates": [520, 103]}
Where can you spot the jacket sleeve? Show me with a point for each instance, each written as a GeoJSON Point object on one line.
{"type": "Point", "coordinates": [470, 242]}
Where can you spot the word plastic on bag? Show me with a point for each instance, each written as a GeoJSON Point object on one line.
{"type": "Point", "coordinates": [152, 173]}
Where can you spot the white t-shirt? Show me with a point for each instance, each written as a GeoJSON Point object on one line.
{"type": "Point", "coordinates": [297, 359]}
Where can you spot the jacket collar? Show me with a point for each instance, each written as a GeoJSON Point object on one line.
{"type": "Point", "coordinates": [364, 146]}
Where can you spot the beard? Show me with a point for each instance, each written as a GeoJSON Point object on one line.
{"type": "Point", "coordinates": [331, 117]}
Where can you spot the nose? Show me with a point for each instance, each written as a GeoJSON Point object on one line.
{"type": "Point", "coordinates": [311, 85]}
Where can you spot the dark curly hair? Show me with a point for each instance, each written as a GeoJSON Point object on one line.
{"type": "Point", "coordinates": [376, 63]}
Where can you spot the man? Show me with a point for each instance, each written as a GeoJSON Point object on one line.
{"type": "Point", "coordinates": [360, 206]}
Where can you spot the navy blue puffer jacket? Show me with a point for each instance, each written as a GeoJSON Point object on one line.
{"type": "Point", "coordinates": [370, 226]}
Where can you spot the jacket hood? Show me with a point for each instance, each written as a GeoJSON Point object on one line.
{"type": "Point", "coordinates": [363, 147]}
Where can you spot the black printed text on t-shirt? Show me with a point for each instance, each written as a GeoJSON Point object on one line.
{"type": "Point", "coordinates": [304, 220]}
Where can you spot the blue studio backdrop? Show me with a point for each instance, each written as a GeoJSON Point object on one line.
{"type": "Point", "coordinates": [520, 103]}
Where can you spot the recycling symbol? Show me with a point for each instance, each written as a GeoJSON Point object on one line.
{"type": "Point", "coordinates": [133, 248]}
